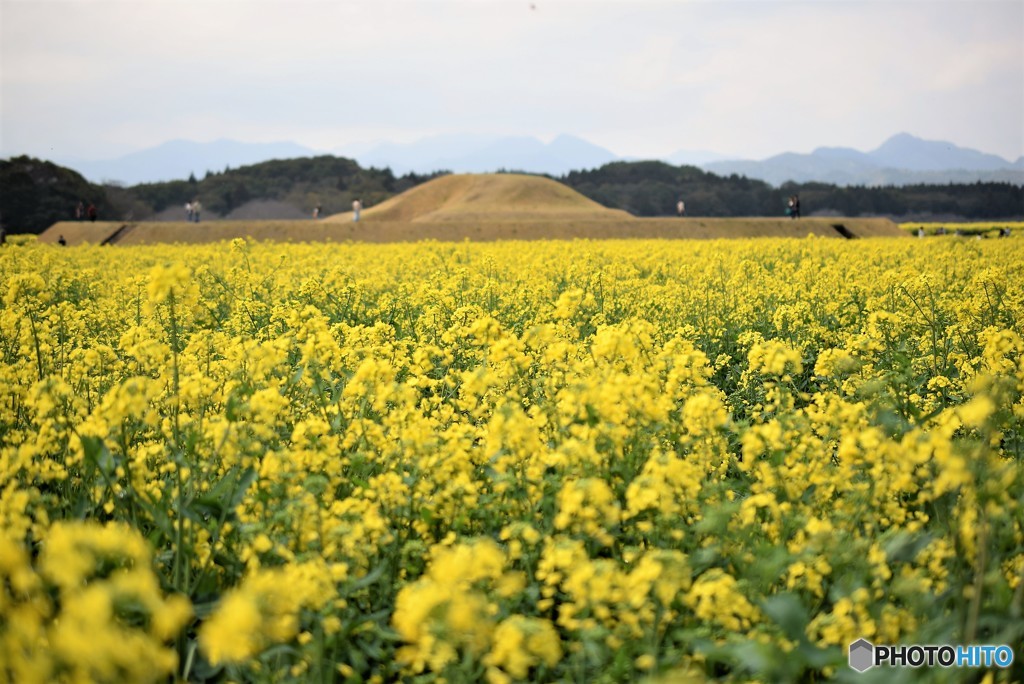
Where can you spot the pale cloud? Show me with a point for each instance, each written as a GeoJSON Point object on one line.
{"type": "Point", "coordinates": [965, 67]}
{"type": "Point", "coordinates": [641, 77]}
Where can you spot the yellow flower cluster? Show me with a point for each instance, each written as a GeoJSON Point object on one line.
{"type": "Point", "coordinates": [504, 462]}
{"type": "Point", "coordinates": [89, 609]}
{"type": "Point", "coordinates": [521, 643]}
{"type": "Point", "coordinates": [265, 609]}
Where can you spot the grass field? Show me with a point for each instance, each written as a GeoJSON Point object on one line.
{"type": "Point", "coordinates": [457, 231]}
{"type": "Point", "coordinates": [489, 198]}
{"type": "Point", "coordinates": [482, 207]}
{"type": "Point", "coordinates": [571, 461]}
{"type": "Point", "coordinates": [80, 232]}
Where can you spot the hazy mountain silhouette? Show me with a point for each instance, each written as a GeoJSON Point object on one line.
{"type": "Point", "coordinates": [902, 159]}
{"type": "Point", "coordinates": [695, 157]}
{"type": "Point", "coordinates": [904, 151]}
{"type": "Point", "coordinates": [483, 154]}
{"type": "Point", "coordinates": [176, 159]}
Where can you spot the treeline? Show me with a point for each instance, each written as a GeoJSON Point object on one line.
{"type": "Point", "coordinates": [974, 201]}
{"type": "Point", "coordinates": [35, 193]}
{"type": "Point", "coordinates": [654, 188]}
{"type": "Point", "coordinates": [330, 182]}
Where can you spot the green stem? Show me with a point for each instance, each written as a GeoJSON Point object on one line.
{"type": "Point", "coordinates": [35, 340]}
{"type": "Point", "coordinates": [974, 609]}
{"type": "Point", "coordinates": [180, 571]}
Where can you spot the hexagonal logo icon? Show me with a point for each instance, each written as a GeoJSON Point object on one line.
{"type": "Point", "coordinates": [862, 655]}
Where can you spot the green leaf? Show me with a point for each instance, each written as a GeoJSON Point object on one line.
{"type": "Point", "coordinates": [903, 547]}
{"type": "Point", "coordinates": [244, 482]}
{"type": "Point", "coordinates": [204, 609]}
{"type": "Point", "coordinates": [789, 613]}
{"type": "Point", "coordinates": [368, 579]}
{"type": "Point", "coordinates": [96, 452]}
{"type": "Point", "coordinates": [819, 658]}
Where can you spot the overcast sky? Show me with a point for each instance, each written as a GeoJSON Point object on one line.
{"type": "Point", "coordinates": [97, 78]}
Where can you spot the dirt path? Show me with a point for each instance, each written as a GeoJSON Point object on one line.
{"type": "Point", "coordinates": [457, 231]}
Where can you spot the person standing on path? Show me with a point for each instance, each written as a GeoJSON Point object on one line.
{"type": "Point", "coordinates": [793, 207]}
{"type": "Point", "coordinates": [357, 206]}
{"type": "Point", "coordinates": [196, 208]}
{"type": "Point", "coordinates": [681, 208]}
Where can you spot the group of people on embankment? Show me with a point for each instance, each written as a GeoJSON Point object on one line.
{"type": "Point", "coordinates": [85, 211]}
{"type": "Point", "coordinates": [357, 208]}
{"type": "Point", "coordinates": [192, 211]}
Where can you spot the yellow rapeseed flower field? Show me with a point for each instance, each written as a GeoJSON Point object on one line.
{"type": "Point", "coordinates": [514, 461]}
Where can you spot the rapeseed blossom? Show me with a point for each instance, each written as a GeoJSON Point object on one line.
{"type": "Point", "coordinates": [505, 462]}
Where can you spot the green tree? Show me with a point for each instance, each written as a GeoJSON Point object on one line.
{"type": "Point", "coordinates": [36, 194]}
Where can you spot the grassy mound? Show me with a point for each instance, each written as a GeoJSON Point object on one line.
{"type": "Point", "coordinates": [487, 198]}
{"type": "Point", "coordinates": [80, 232]}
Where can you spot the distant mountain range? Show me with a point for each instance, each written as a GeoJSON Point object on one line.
{"type": "Point", "coordinates": [482, 154]}
{"type": "Point", "coordinates": [177, 159]}
{"type": "Point", "coordinates": [901, 160]}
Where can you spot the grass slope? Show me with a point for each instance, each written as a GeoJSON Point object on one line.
{"type": "Point", "coordinates": [479, 207]}
{"type": "Point", "coordinates": [80, 232]}
{"type": "Point", "coordinates": [487, 198]}
{"type": "Point", "coordinates": [484, 231]}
